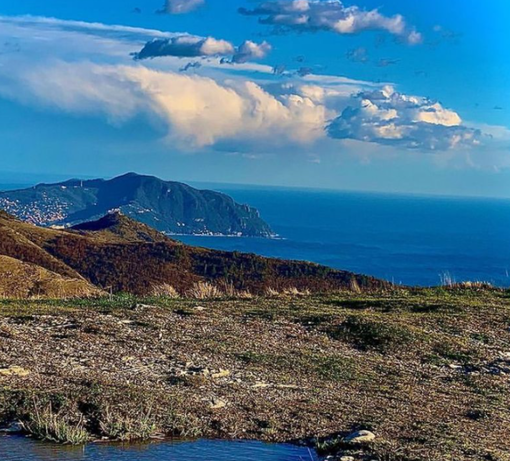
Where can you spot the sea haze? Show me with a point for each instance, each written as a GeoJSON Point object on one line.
{"type": "Point", "coordinates": [413, 240]}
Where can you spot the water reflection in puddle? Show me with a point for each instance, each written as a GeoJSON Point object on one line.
{"type": "Point", "coordinates": [23, 449]}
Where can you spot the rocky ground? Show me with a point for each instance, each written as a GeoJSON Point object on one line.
{"type": "Point", "coordinates": [425, 372]}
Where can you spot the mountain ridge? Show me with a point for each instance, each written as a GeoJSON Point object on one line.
{"type": "Point", "coordinates": [167, 206]}
{"type": "Point", "coordinates": [123, 255]}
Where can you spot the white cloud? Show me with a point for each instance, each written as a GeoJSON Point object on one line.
{"type": "Point", "coordinates": [82, 68]}
{"type": "Point", "coordinates": [181, 6]}
{"type": "Point", "coordinates": [389, 117]}
{"type": "Point", "coordinates": [197, 110]}
{"type": "Point", "coordinates": [330, 15]}
{"type": "Point", "coordinates": [250, 51]}
{"type": "Point", "coordinates": [186, 46]}
{"type": "Point", "coordinates": [48, 24]}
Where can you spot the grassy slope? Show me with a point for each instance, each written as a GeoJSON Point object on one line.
{"type": "Point", "coordinates": [21, 281]}
{"type": "Point", "coordinates": [426, 370]}
{"type": "Point", "coordinates": [123, 255]}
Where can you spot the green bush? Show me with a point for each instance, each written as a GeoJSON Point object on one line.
{"type": "Point", "coordinates": [366, 334]}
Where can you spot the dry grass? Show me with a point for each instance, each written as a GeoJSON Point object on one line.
{"type": "Point", "coordinates": [207, 290]}
{"type": "Point", "coordinates": [473, 285]}
{"type": "Point", "coordinates": [165, 291]}
{"type": "Point", "coordinates": [449, 281]}
{"type": "Point", "coordinates": [354, 286]}
{"type": "Point", "coordinates": [293, 291]}
{"type": "Point", "coordinates": [20, 280]}
{"type": "Point", "coordinates": [204, 290]}
{"type": "Point", "coordinates": [272, 293]}
{"type": "Point", "coordinates": [287, 292]}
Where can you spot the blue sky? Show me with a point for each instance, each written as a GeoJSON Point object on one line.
{"type": "Point", "coordinates": [397, 97]}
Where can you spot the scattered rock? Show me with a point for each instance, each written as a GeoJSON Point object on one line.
{"type": "Point", "coordinates": [288, 386]}
{"type": "Point", "coordinates": [221, 374]}
{"type": "Point", "coordinates": [193, 370]}
{"type": "Point", "coordinates": [260, 386]}
{"type": "Point", "coordinates": [14, 371]}
{"type": "Point", "coordinates": [360, 437]}
{"type": "Point", "coordinates": [145, 306]}
{"type": "Point", "coordinates": [126, 322]}
{"type": "Point", "coordinates": [347, 458]}
{"type": "Point", "coordinates": [217, 404]}
{"type": "Point", "coordinates": [455, 366]}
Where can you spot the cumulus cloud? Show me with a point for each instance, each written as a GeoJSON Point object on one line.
{"type": "Point", "coordinates": [185, 46]}
{"type": "Point", "coordinates": [89, 72]}
{"type": "Point", "coordinates": [250, 51]}
{"type": "Point", "coordinates": [196, 110]}
{"type": "Point", "coordinates": [190, 46]}
{"type": "Point", "coordinates": [388, 117]}
{"type": "Point", "coordinates": [181, 6]}
{"type": "Point", "coordinates": [330, 15]}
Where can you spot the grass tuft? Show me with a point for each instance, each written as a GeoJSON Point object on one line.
{"type": "Point", "coordinates": [164, 290]}
{"type": "Point", "coordinates": [49, 426]}
{"type": "Point", "coordinates": [127, 428]}
{"type": "Point", "coordinates": [204, 290]}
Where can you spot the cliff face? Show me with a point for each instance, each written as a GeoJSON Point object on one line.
{"type": "Point", "coordinates": [169, 207]}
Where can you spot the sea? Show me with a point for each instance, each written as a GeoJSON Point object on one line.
{"type": "Point", "coordinates": [408, 240]}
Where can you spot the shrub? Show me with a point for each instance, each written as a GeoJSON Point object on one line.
{"type": "Point", "coordinates": [367, 334]}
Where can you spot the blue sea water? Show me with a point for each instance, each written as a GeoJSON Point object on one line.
{"type": "Point", "coordinates": [413, 240]}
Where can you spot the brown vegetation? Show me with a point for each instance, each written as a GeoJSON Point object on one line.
{"type": "Point", "coordinates": [20, 280]}
{"type": "Point", "coordinates": [117, 254]}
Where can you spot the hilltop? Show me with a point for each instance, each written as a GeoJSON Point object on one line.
{"type": "Point", "coordinates": [119, 254]}
{"type": "Point", "coordinates": [170, 207]}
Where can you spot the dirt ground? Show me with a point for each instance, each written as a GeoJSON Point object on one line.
{"type": "Point", "coordinates": [427, 371]}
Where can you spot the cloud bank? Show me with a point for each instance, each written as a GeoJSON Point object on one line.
{"type": "Point", "coordinates": [196, 110]}
{"type": "Point", "coordinates": [89, 71]}
{"type": "Point", "coordinates": [330, 15]}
